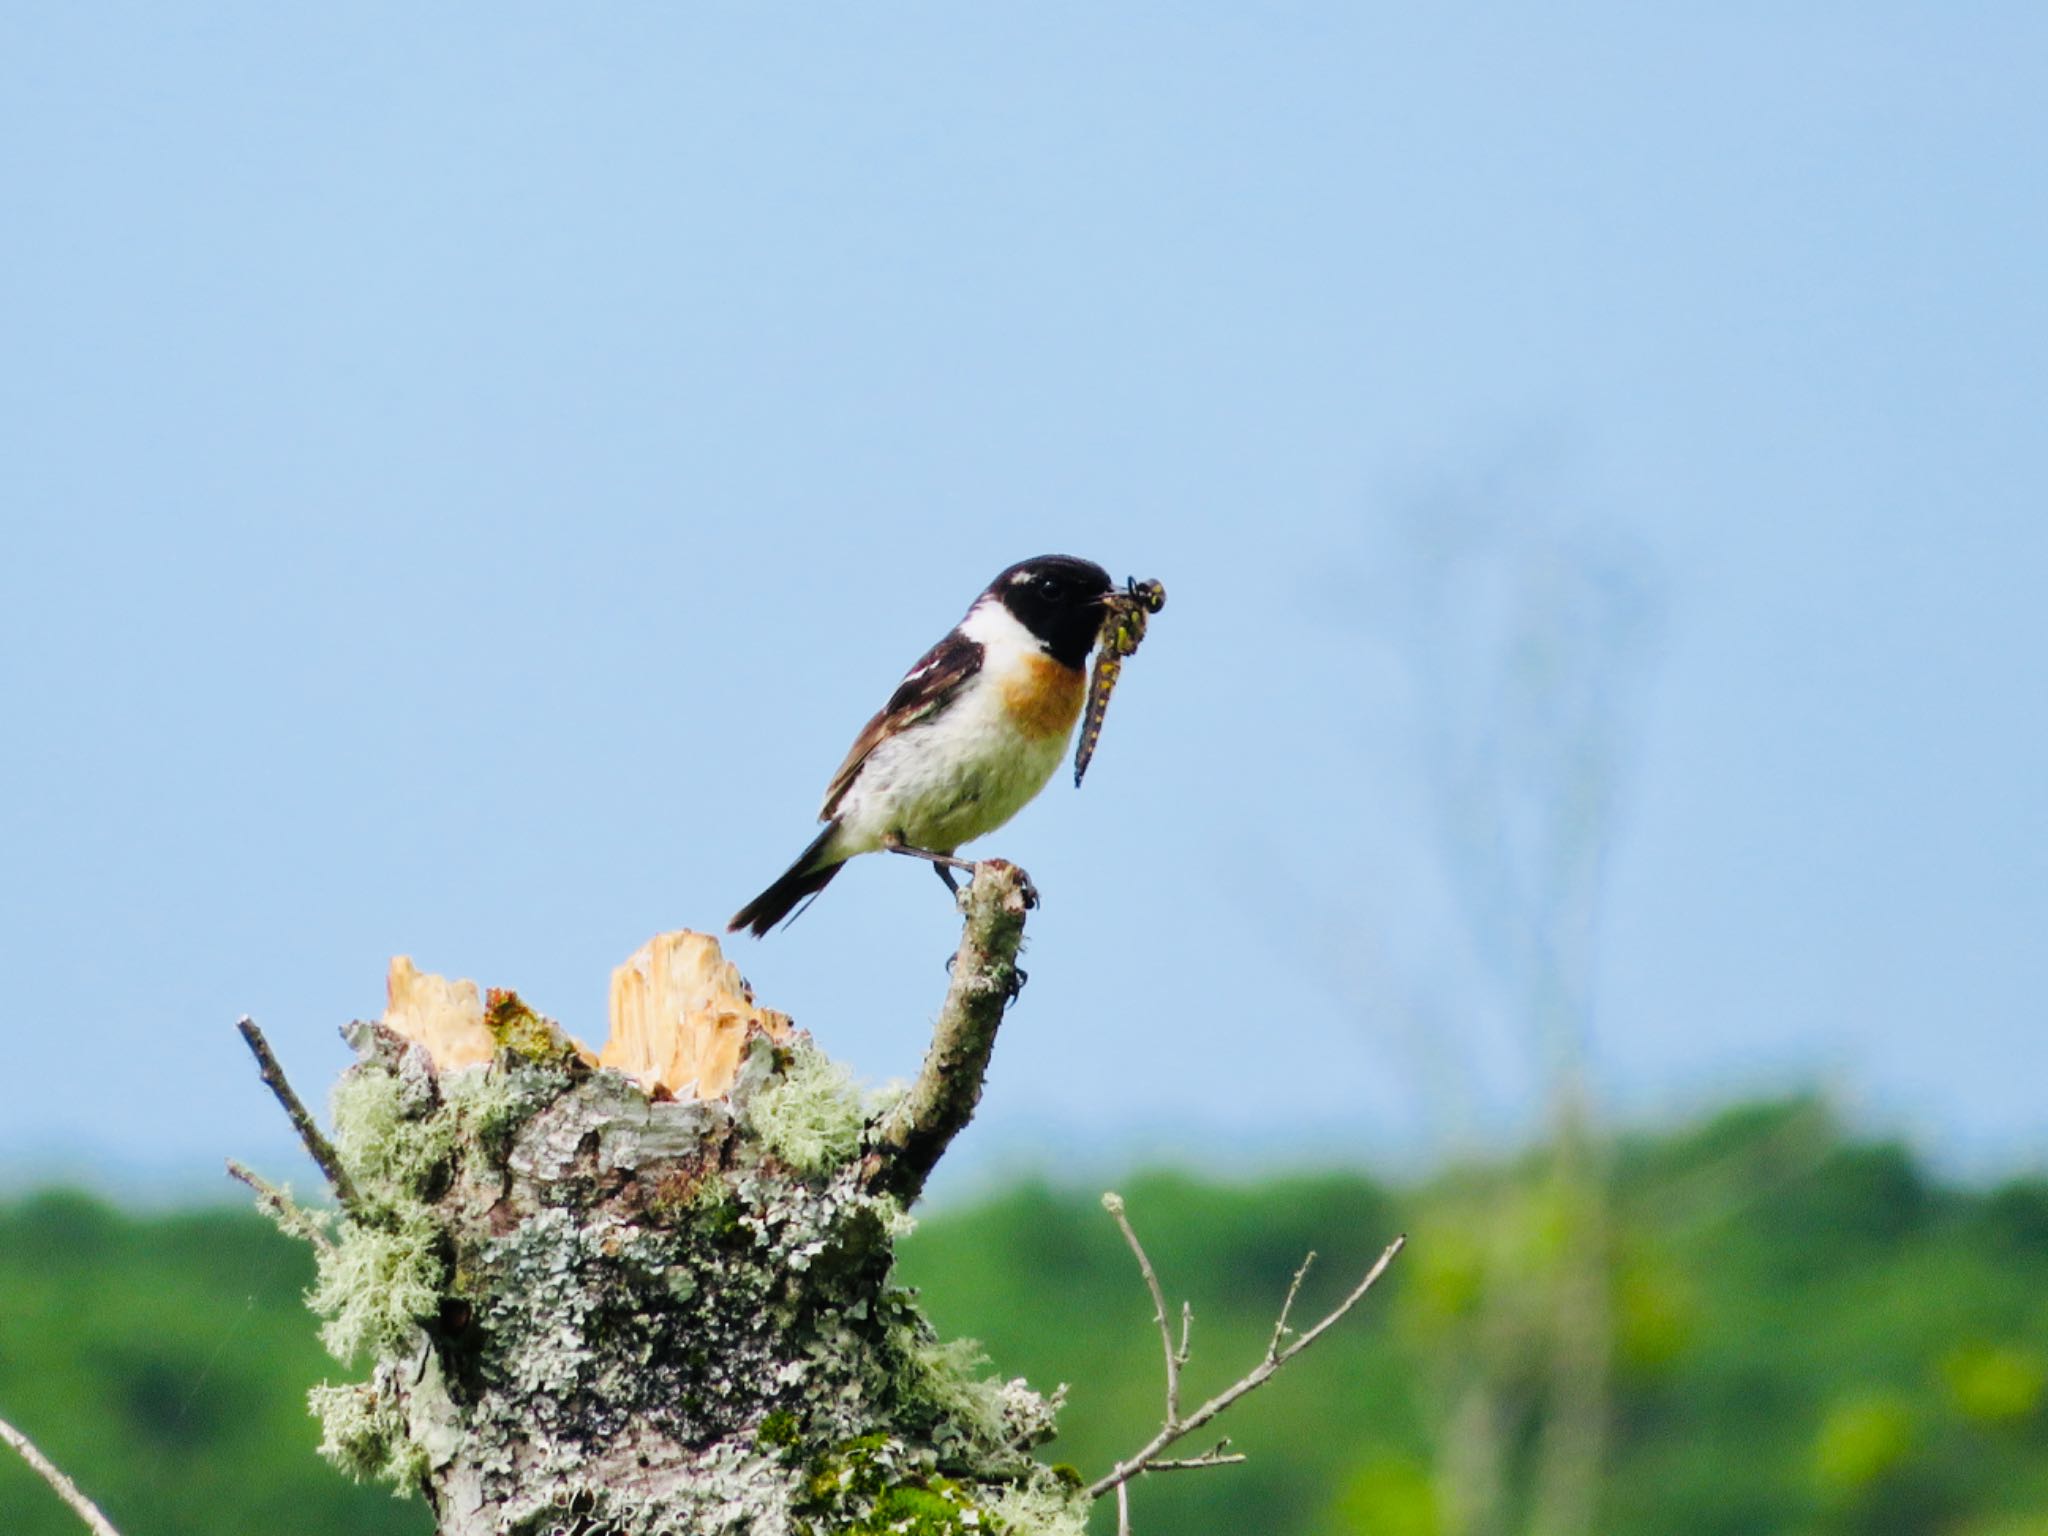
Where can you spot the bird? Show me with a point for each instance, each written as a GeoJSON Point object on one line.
{"type": "Point", "coordinates": [970, 735]}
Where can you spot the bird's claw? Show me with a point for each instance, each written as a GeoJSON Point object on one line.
{"type": "Point", "coordinates": [1018, 976]}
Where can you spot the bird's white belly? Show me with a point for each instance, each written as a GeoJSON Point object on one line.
{"type": "Point", "coordinates": [948, 780]}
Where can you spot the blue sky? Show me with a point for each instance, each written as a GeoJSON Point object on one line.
{"type": "Point", "coordinates": [468, 472]}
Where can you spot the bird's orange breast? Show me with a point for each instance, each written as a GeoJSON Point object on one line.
{"type": "Point", "coordinates": [1043, 698]}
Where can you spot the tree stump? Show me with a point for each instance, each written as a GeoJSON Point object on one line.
{"type": "Point", "coordinates": [648, 1292]}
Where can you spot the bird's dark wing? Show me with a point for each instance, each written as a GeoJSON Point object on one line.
{"type": "Point", "coordinates": [925, 689]}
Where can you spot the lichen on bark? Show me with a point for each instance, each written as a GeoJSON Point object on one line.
{"type": "Point", "coordinates": [587, 1307]}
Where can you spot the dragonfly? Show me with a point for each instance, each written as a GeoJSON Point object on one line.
{"type": "Point", "coordinates": [1123, 628]}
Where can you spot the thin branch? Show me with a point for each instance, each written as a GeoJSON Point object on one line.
{"type": "Point", "coordinates": [1123, 1509]}
{"type": "Point", "coordinates": [1114, 1204]}
{"type": "Point", "coordinates": [1214, 1458]}
{"type": "Point", "coordinates": [1176, 1427]}
{"type": "Point", "coordinates": [293, 1219]}
{"type": "Point", "coordinates": [906, 1142]}
{"type": "Point", "coordinates": [66, 1490]}
{"type": "Point", "coordinates": [1335, 1316]}
{"type": "Point", "coordinates": [321, 1149]}
{"type": "Point", "coordinates": [1287, 1306]}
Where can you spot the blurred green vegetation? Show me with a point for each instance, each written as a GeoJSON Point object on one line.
{"type": "Point", "coordinates": [1806, 1335]}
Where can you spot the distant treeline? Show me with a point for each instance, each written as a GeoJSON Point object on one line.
{"type": "Point", "coordinates": [1793, 1331]}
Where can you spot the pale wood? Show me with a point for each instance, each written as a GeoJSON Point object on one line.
{"type": "Point", "coordinates": [445, 1017]}
{"type": "Point", "coordinates": [680, 1016]}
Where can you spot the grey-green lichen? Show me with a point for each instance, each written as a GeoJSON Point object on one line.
{"type": "Point", "coordinates": [363, 1432]}
{"type": "Point", "coordinates": [293, 1219]}
{"type": "Point", "coordinates": [394, 1134]}
{"type": "Point", "coordinates": [376, 1283]}
{"type": "Point", "coordinates": [670, 1319]}
{"type": "Point", "coordinates": [981, 1411]}
{"type": "Point", "coordinates": [1044, 1507]}
{"type": "Point", "coordinates": [491, 1103]}
{"type": "Point", "coordinates": [811, 1116]}
{"type": "Point", "coordinates": [388, 1265]}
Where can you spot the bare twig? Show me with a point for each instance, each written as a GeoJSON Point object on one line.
{"type": "Point", "coordinates": [1287, 1306]}
{"type": "Point", "coordinates": [1147, 1459]}
{"type": "Point", "coordinates": [66, 1490]}
{"type": "Point", "coordinates": [1214, 1458]}
{"type": "Point", "coordinates": [1379, 1267]}
{"type": "Point", "coordinates": [1114, 1204]}
{"type": "Point", "coordinates": [906, 1142]}
{"type": "Point", "coordinates": [320, 1148]}
{"type": "Point", "coordinates": [292, 1218]}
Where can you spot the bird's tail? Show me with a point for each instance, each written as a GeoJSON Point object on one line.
{"type": "Point", "coordinates": [810, 874]}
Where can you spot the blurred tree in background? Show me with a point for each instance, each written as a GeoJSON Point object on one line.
{"type": "Point", "coordinates": [1526, 635]}
{"type": "Point", "coordinates": [1806, 1335]}
{"type": "Point", "coordinates": [163, 1362]}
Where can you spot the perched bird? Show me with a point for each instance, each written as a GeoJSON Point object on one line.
{"type": "Point", "coordinates": [972, 732]}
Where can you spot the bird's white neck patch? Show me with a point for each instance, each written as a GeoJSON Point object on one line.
{"type": "Point", "coordinates": [998, 632]}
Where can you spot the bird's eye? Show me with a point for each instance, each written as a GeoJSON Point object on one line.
{"type": "Point", "coordinates": [1050, 587]}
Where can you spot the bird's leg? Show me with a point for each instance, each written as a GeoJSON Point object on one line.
{"type": "Point", "coordinates": [944, 863]}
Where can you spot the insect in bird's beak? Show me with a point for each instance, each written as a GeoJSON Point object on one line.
{"type": "Point", "coordinates": [1123, 628]}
